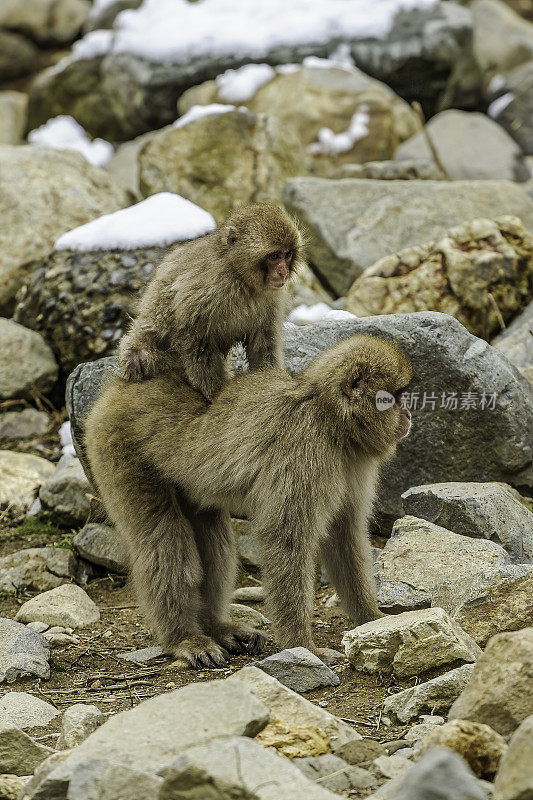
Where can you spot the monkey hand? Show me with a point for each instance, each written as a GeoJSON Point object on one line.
{"type": "Point", "coordinates": [138, 365]}
{"type": "Point", "coordinates": [237, 638]}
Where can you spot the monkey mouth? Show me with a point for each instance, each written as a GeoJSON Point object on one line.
{"type": "Point", "coordinates": [277, 283]}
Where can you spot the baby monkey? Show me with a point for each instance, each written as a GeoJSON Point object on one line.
{"type": "Point", "coordinates": [209, 294]}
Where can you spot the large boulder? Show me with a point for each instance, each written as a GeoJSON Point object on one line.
{"type": "Point", "coordinates": [27, 364]}
{"type": "Point", "coordinates": [514, 780]}
{"type": "Point", "coordinates": [515, 342]}
{"type": "Point", "coordinates": [18, 56]}
{"type": "Point", "coordinates": [222, 160]}
{"type": "Point", "coordinates": [353, 223]}
{"type": "Point", "coordinates": [480, 272]}
{"type": "Point", "coordinates": [502, 39]}
{"type": "Point", "coordinates": [124, 82]}
{"type": "Point", "coordinates": [43, 193]}
{"type": "Point", "coordinates": [48, 22]}
{"type": "Point", "coordinates": [473, 424]}
{"type": "Point", "coordinates": [512, 105]}
{"type": "Point", "coordinates": [317, 103]}
{"type": "Point", "coordinates": [470, 146]}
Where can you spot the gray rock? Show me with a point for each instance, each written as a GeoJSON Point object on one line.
{"type": "Point", "coordinates": [65, 495]}
{"type": "Point", "coordinates": [38, 568]}
{"type": "Point", "coordinates": [247, 616]}
{"type": "Point", "coordinates": [420, 555]}
{"type": "Point", "coordinates": [13, 115]}
{"type": "Point", "coordinates": [491, 604]}
{"type": "Point", "coordinates": [498, 694]}
{"type": "Point", "coordinates": [440, 775]}
{"type": "Point", "coordinates": [353, 223]}
{"type": "Point", "coordinates": [420, 731]}
{"type": "Point", "coordinates": [142, 656]}
{"type": "Point", "coordinates": [335, 774]}
{"type": "Point", "coordinates": [249, 594]}
{"type": "Point", "coordinates": [27, 364]}
{"type": "Point", "coordinates": [391, 767]}
{"type": "Point", "coordinates": [481, 510]}
{"type": "Point", "coordinates": [67, 605]}
{"type": "Point", "coordinates": [22, 652]}
{"type": "Point", "coordinates": [26, 711]}
{"type": "Point", "coordinates": [57, 190]}
{"type": "Point", "coordinates": [299, 669]}
{"type": "Point", "coordinates": [286, 706]}
{"type": "Point", "coordinates": [502, 38]}
{"type": "Point", "coordinates": [78, 722]}
{"type": "Point", "coordinates": [470, 146]}
{"type": "Point", "coordinates": [238, 768]}
{"type": "Point", "coordinates": [131, 95]}
{"type": "Point", "coordinates": [150, 735]}
{"type": "Point", "coordinates": [248, 549]}
{"type": "Point", "coordinates": [21, 474]}
{"type": "Point", "coordinates": [18, 56]}
{"type": "Point", "coordinates": [409, 643]}
{"type": "Point", "coordinates": [436, 695]}
{"type": "Point", "coordinates": [101, 544]}
{"type": "Point", "coordinates": [475, 445]}
{"type": "Point", "coordinates": [360, 753]}
{"type": "Point", "coordinates": [405, 170]}
{"type": "Point", "coordinates": [25, 424]}
{"type": "Point", "coordinates": [451, 595]}
{"type": "Point", "coordinates": [19, 754]}
{"type": "Point", "coordinates": [512, 106]}
{"type": "Point", "coordinates": [515, 342]}
{"type": "Point", "coordinates": [514, 780]}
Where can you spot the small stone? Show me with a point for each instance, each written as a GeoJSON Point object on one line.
{"type": "Point", "coordinates": [360, 753]}
{"type": "Point", "coordinates": [77, 723]}
{"type": "Point", "coordinates": [65, 496]}
{"type": "Point", "coordinates": [24, 424]}
{"type": "Point", "coordinates": [335, 774]}
{"type": "Point", "coordinates": [27, 364]}
{"type": "Point", "coordinates": [247, 616]}
{"type": "Point", "coordinates": [294, 740]}
{"type": "Point", "coordinates": [38, 568]}
{"type": "Point", "coordinates": [418, 732]}
{"type": "Point", "coordinates": [514, 780]}
{"type": "Point", "coordinates": [38, 627]}
{"type": "Point", "coordinates": [249, 594]}
{"type": "Point", "coordinates": [22, 652]}
{"type": "Point", "coordinates": [439, 774]}
{"type": "Point", "coordinates": [21, 474]}
{"type": "Point", "coordinates": [26, 711]}
{"type": "Point", "coordinates": [142, 656]}
{"type": "Point", "coordinates": [409, 643]}
{"type": "Point", "coordinates": [102, 545]}
{"type": "Point", "coordinates": [19, 754]}
{"type": "Point", "coordinates": [299, 669]}
{"type": "Point", "coordinates": [437, 694]}
{"type": "Point", "coordinates": [67, 605]}
{"type": "Point", "coordinates": [391, 766]}
{"type": "Point", "coordinates": [480, 746]}
{"type": "Point", "coordinates": [499, 692]}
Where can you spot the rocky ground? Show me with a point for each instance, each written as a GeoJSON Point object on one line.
{"type": "Point", "coordinates": [402, 140]}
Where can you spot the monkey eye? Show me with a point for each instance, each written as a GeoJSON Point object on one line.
{"type": "Point", "coordinates": [274, 256]}
{"type": "Point", "coordinates": [290, 255]}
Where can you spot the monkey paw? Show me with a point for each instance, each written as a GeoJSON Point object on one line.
{"type": "Point", "coordinates": [138, 365]}
{"type": "Point", "coordinates": [237, 638]}
{"type": "Point", "coordinates": [201, 652]}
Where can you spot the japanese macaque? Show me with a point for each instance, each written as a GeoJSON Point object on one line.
{"type": "Point", "coordinates": [299, 454]}
{"type": "Point", "coordinates": [212, 293]}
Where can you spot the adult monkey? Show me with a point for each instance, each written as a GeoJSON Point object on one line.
{"type": "Point", "coordinates": [299, 454]}
{"type": "Point", "coordinates": [209, 294]}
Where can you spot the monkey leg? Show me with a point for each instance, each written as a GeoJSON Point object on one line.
{"type": "Point", "coordinates": [167, 573]}
{"type": "Point", "coordinates": [215, 540]}
{"type": "Point", "coordinates": [287, 549]}
{"type": "Point", "coordinates": [347, 556]}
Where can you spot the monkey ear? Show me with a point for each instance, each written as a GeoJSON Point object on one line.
{"type": "Point", "coordinates": [353, 387]}
{"type": "Point", "coordinates": [230, 235]}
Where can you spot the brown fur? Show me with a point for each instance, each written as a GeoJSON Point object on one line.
{"type": "Point", "coordinates": [300, 455]}
{"type": "Point", "coordinates": [209, 294]}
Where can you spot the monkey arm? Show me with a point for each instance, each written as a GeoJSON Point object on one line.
{"type": "Point", "coordinates": [263, 347]}
{"type": "Point", "coordinates": [204, 365]}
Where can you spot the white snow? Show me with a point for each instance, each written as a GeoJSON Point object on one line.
{"type": "Point", "coordinates": [93, 45]}
{"type": "Point", "coordinates": [64, 133]}
{"type": "Point", "coordinates": [160, 220]}
{"type": "Point", "coordinates": [240, 85]}
{"type": "Point", "coordinates": [496, 83]}
{"type": "Point", "coordinates": [65, 439]}
{"type": "Point", "coordinates": [498, 105]}
{"type": "Point", "coordinates": [178, 31]}
{"type": "Point", "coordinates": [305, 315]}
{"type": "Point", "coordinates": [341, 57]}
{"type": "Point", "coordinates": [197, 112]}
{"type": "Point", "coordinates": [334, 143]}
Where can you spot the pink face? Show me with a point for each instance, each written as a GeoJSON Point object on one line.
{"type": "Point", "coordinates": [278, 266]}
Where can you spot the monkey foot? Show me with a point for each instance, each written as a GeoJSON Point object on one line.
{"type": "Point", "coordinates": [237, 638]}
{"type": "Point", "coordinates": [201, 652]}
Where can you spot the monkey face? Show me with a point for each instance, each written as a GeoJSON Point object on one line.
{"type": "Point", "coordinates": [278, 267]}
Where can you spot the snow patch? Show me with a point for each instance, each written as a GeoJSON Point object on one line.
{"type": "Point", "coordinates": [333, 143]}
{"type": "Point", "coordinates": [498, 105]}
{"type": "Point", "coordinates": [64, 133]}
{"type": "Point", "coordinates": [198, 112]}
{"type": "Point", "coordinates": [340, 58]}
{"type": "Point", "coordinates": [65, 439]}
{"type": "Point", "coordinates": [306, 315]}
{"type": "Point", "coordinates": [94, 45]}
{"type": "Point", "coordinates": [160, 220]}
{"type": "Point", "coordinates": [177, 31]}
{"type": "Point", "coordinates": [240, 85]}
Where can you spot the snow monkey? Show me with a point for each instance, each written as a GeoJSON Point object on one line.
{"type": "Point", "coordinates": [300, 455]}
{"type": "Point", "coordinates": [211, 293]}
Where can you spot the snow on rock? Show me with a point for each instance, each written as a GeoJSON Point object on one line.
{"type": "Point", "coordinates": [178, 31]}
{"type": "Point", "coordinates": [64, 133]}
{"type": "Point", "coordinates": [197, 112]}
{"type": "Point", "coordinates": [160, 220]}
{"type": "Point", "coordinates": [65, 439]}
{"type": "Point", "coordinates": [498, 105]}
{"type": "Point", "coordinates": [341, 58]}
{"type": "Point", "coordinates": [333, 143]}
{"type": "Point", "coordinates": [305, 315]}
{"type": "Point", "coordinates": [93, 45]}
{"type": "Point", "coordinates": [240, 85]}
